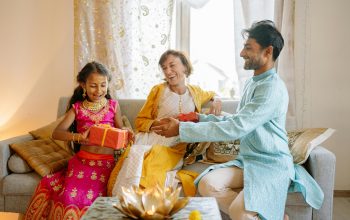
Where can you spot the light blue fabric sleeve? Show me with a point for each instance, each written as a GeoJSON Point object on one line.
{"type": "Point", "coordinates": [211, 117]}
{"type": "Point", "coordinates": [260, 109]}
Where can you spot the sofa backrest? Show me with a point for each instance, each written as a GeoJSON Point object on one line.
{"type": "Point", "coordinates": [131, 107]}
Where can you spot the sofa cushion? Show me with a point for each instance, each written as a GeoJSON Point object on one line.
{"type": "Point", "coordinates": [211, 152]}
{"type": "Point", "coordinates": [16, 164]}
{"type": "Point", "coordinates": [44, 156]}
{"type": "Point", "coordinates": [46, 132]}
{"type": "Point", "coordinates": [20, 184]}
{"type": "Point", "coordinates": [221, 152]}
{"type": "Point", "coordinates": [302, 142]}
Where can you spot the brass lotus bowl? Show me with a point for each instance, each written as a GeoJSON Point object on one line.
{"type": "Point", "coordinates": [151, 203]}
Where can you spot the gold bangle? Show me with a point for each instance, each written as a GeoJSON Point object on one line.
{"type": "Point", "coordinates": [78, 139]}
{"type": "Point", "coordinates": [73, 137]}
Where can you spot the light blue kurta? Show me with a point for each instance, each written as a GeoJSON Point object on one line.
{"type": "Point", "coordinates": [264, 155]}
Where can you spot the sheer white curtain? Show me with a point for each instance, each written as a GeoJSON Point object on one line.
{"type": "Point", "coordinates": [282, 12]}
{"type": "Point", "coordinates": [128, 37]}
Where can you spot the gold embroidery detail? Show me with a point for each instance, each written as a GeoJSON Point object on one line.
{"type": "Point", "coordinates": [62, 191]}
{"type": "Point", "coordinates": [70, 174]}
{"type": "Point", "coordinates": [94, 175]}
{"type": "Point", "coordinates": [102, 178]}
{"type": "Point", "coordinates": [99, 163]}
{"type": "Point", "coordinates": [100, 194]}
{"type": "Point", "coordinates": [95, 117]}
{"type": "Point", "coordinates": [83, 161]}
{"type": "Point", "coordinates": [58, 187]}
{"type": "Point", "coordinates": [53, 182]}
{"type": "Point", "coordinates": [92, 163]}
{"type": "Point", "coordinates": [109, 164]}
{"type": "Point", "coordinates": [74, 192]}
{"type": "Point", "coordinates": [90, 194]}
{"type": "Point", "coordinates": [80, 175]}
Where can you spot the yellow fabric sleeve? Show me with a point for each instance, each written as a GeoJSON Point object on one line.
{"type": "Point", "coordinates": [200, 96]}
{"type": "Point", "coordinates": [149, 111]}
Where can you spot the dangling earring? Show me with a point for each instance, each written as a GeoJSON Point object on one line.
{"type": "Point", "coordinates": [84, 93]}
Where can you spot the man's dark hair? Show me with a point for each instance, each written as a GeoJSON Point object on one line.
{"type": "Point", "coordinates": [265, 33]}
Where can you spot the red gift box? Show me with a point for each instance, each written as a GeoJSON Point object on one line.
{"type": "Point", "coordinates": [106, 136]}
{"type": "Point", "coordinates": [192, 116]}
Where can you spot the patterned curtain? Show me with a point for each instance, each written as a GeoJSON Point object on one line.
{"type": "Point", "coordinates": [127, 36]}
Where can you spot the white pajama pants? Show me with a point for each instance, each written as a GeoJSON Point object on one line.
{"type": "Point", "coordinates": [226, 184]}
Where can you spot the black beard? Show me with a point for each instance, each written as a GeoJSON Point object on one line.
{"type": "Point", "coordinates": [252, 66]}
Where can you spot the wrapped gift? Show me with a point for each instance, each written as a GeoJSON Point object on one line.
{"type": "Point", "coordinates": [192, 116]}
{"type": "Point", "coordinates": [107, 136]}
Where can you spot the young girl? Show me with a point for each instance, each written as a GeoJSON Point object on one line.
{"type": "Point", "coordinates": [68, 193]}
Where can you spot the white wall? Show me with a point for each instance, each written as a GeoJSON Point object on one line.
{"type": "Point", "coordinates": [329, 79]}
{"type": "Point", "coordinates": [36, 62]}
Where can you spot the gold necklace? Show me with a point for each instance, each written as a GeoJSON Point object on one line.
{"type": "Point", "coordinates": [94, 106]}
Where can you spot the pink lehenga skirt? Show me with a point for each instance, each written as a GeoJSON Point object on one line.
{"type": "Point", "coordinates": [67, 194]}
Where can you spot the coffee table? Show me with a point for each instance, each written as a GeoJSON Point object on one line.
{"type": "Point", "coordinates": [102, 208]}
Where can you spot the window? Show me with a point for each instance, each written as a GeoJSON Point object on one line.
{"type": "Point", "coordinates": [207, 35]}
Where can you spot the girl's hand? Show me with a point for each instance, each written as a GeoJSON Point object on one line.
{"type": "Point", "coordinates": [215, 106]}
{"type": "Point", "coordinates": [131, 135]}
{"type": "Point", "coordinates": [84, 137]}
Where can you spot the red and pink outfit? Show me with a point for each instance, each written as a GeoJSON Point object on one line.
{"type": "Point", "coordinates": [67, 194]}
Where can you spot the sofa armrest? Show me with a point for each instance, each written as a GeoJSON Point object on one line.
{"type": "Point", "coordinates": [5, 151]}
{"type": "Point", "coordinates": [321, 165]}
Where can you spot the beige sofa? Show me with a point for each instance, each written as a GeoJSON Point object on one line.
{"type": "Point", "coordinates": [16, 189]}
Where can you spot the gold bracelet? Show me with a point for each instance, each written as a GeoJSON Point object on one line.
{"type": "Point", "coordinates": [78, 141]}
{"type": "Point", "coordinates": [73, 137]}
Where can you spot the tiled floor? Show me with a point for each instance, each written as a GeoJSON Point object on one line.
{"type": "Point", "coordinates": [341, 208]}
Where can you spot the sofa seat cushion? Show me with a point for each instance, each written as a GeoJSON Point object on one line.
{"type": "Point", "coordinates": [296, 199]}
{"type": "Point", "coordinates": [20, 184]}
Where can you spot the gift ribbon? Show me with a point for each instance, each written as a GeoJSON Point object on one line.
{"type": "Point", "coordinates": [104, 136]}
{"type": "Point", "coordinates": [107, 126]}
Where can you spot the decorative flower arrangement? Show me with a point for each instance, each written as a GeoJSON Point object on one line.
{"type": "Point", "coordinates": [152, 203]}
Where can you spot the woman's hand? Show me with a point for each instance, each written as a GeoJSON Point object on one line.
{"type": "Point", "coordinates": [131, 135]}
{"type": "Point", "coordinates": [156, 122]}
{"type": "Point", "coordinates": [215, 106]}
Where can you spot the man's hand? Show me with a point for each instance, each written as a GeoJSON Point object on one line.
{"type": "Point", "coordinates": [215, 106]}
{"type": "Point", "coordinates": [168, 127]}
